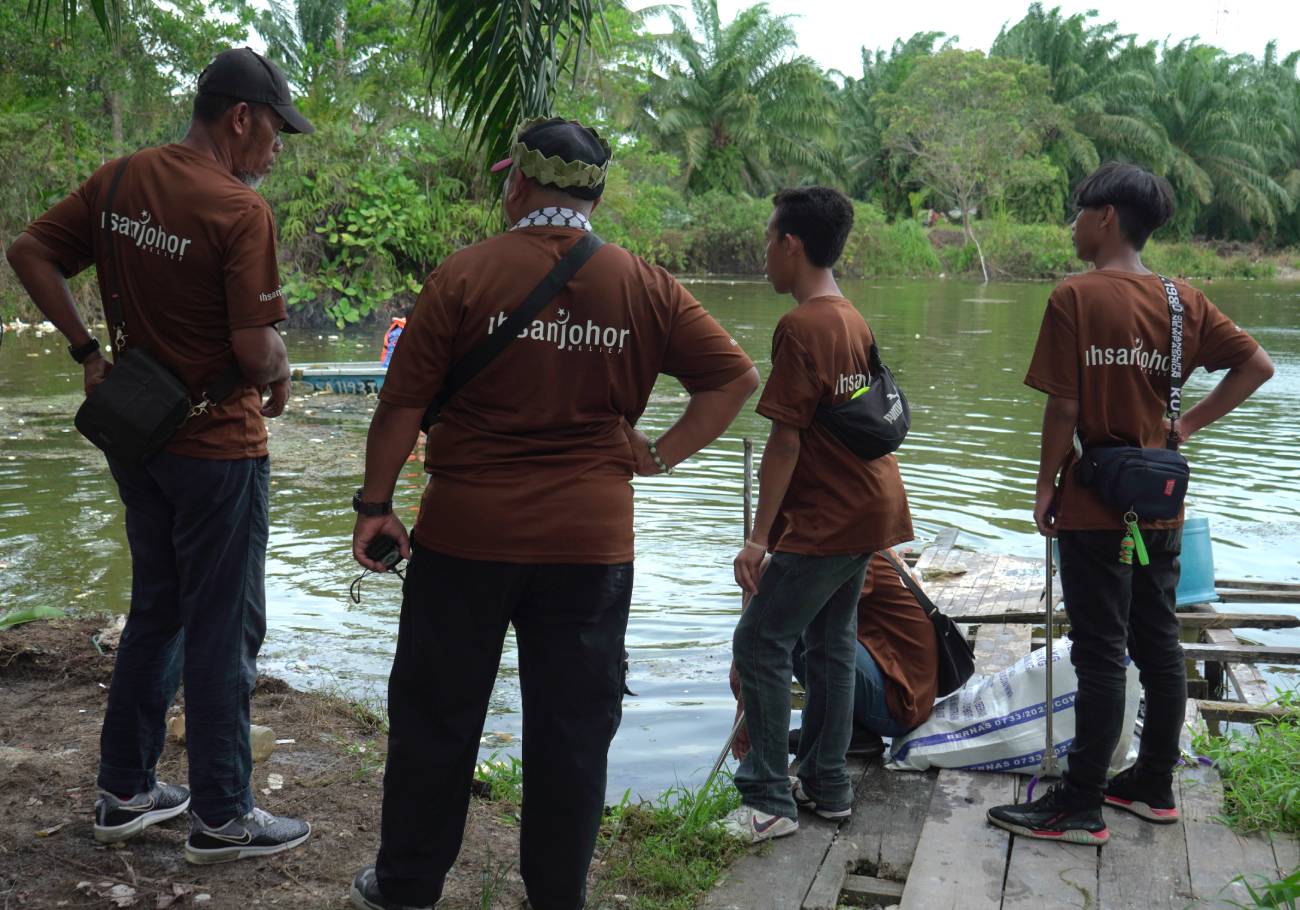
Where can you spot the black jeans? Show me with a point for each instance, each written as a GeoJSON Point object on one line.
{"type": "Point", "coordinates": [569, 625]}
{"type": "Point", "coordinates": [197, 529]}
{"type": "Point", "coordinates": [1113, 607]}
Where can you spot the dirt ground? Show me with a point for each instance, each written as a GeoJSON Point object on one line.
{"type": "Point", "coordinates": [52, 695]}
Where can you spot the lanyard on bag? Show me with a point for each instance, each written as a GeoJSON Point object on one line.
{"type": "Point", "coordinates": [1175, 360]}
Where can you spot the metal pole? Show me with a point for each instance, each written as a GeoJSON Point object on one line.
{"type": "Point", "coordinates": [1049, 754]}
{"type": "Point", "coordinates": [744, 602]}
{"type": "Point", "coordinates": [749, 487]}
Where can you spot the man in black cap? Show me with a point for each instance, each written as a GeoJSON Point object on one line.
{"type": "Point", "coordinates": [185, 253]}
{"type": "Point", "coordinates": [527, 517]}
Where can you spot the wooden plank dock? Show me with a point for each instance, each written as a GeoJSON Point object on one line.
{"type": "Point", "coordinates": [920, 841]}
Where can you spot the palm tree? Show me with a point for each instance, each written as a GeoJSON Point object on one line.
{"type": "Point", "coordinates": [866, 160]}
{"type": "Point", "coordinates": [1225, 134]}
{"type": "Point", "coordinates": [494, 62]}
{"type": "Point", "coordinates": [1101, 78]}
{"type": "Point", "coordinates": [741, 110]}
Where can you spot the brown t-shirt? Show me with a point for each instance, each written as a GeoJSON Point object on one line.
{"type": "Point", "coordinates": [195, 254]}
{"type": "Point", "coordinates": [529, 462]}
{"type": "Point", "coordinates": [894, 628]}
{"type": "Point", "coordinates": [836, 503]}
{"type": "Point", "coordinates": [1105, 342]}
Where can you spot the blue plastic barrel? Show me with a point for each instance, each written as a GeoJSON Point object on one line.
{"type": "Point", "coordinates": [1196, 584]}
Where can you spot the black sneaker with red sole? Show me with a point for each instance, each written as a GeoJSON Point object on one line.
{"type": "Point", "coordinates": [1056, 815]}
{"type": "Point", "coordinates": [1148, 796]}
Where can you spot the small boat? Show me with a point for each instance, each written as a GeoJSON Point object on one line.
{"type": "Point", "coordinates": [364, 378]}
{"type": "Point", "coordinates": [357, 378]}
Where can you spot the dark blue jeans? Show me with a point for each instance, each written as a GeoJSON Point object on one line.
{"type": "Point", "coordinates": [815, 597]}
{"type": "Point", "coordinates": [870, 708]}
{"type": "Point", "coordinates": [197, 529]}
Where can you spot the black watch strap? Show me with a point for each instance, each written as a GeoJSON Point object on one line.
{"type": "Point", "coordinates": [81, 352]}
{"type": "Point", "coordinates": [370, 509]}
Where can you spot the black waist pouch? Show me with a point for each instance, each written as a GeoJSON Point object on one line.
{"type": "Point", "coordinates": [136, 409]}
{"type": "Point", "coordinates": [1149, 482]}
{"type": "Point", "coordinates": [874, 422]}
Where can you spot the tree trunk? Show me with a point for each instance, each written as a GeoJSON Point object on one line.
{"type": "Point", "coordinates": [970, 234]}
{"type": "Point", "coordinates": [115, 109]}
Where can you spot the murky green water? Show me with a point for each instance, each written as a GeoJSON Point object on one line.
{"type": "Point", "coordinates": [959, 350]}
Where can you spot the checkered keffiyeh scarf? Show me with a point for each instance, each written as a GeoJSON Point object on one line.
{"type": "Point", "coordinates": [553, 216]}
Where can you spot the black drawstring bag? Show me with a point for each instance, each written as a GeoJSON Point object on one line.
{"type": "Point", "coordinates": [1150, 483]}
{"type": "Point", "coordinates": [956, 658]}
{"type": "Point", "coordinates": [875, 421]}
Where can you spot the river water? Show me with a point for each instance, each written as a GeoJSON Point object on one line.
{"type": "Point", "coordinates": [958, 349]}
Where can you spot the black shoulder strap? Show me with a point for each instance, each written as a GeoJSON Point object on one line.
{"type": "Point", "coordinates": [487, 350]}
{"type": "Point", "coordinates": [113, 301]}
{"type": "Point", "coordinates": [1175, 360]}
{"type": "Point", "coordinates": [921, 597]}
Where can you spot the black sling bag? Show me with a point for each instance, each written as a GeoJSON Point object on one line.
{"type": "Point", "coordinates": [956, 659]}
{"type": "Point", "coordinates": [141, 403]}
{"type": "Point", "coordinates": [875, 421]}
{"type": "Point", "coordinates": [480, 356]}
{"type": "Point", "coordinates": [1150, 483]}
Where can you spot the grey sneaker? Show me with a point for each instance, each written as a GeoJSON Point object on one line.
{"type": "Point", "coordinates": [117, 819]}
{"type": "Point", "coordinates": [365, 894]}
{"type": "Point", "coordinates": [804, 801]}
{"type": "Point", "coordinates": [259, 833]}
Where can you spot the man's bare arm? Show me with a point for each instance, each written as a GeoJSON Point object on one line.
{"type": "Point", "coordinates": [1234, 388]}
{"type": "Point", "coordinates": [707, 416]}
{"type": "Point", "coordinates": [392, 436]}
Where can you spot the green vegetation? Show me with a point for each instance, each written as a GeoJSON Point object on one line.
{"type": "Point", "coordinates": [661, 854]}
{"type": "Point", "coordinates": [1261, 773]}
{"type": "Point", "coordinates": [961, 161]}
{"type": "Point", "coordinates": [1270, 895]}
{"type": "Point", "coordinates": [665, 854]}
{"type": "Point", "coordinates": [26, 615]}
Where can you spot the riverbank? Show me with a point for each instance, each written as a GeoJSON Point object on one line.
{"type": "Point", "coordinates": [328, 767]}
{"type": "Point", "coordinates": [721, 235]}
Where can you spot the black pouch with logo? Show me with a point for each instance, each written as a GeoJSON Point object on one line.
{"type": "Point", "coordinates": [1151, 483]}
{"type": "Point", "coordinates": [141, 404]}
{"type": "Point", "coordinates": [875, 421]}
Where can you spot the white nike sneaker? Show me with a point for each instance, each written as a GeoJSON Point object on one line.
{"type": "Point", "coordinates": [754, 826]}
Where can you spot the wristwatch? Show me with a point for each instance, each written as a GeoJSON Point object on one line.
{"type": "Point", "coordinates": [370, 509]}
{"type": "Point", "coordinates": [80, 353]}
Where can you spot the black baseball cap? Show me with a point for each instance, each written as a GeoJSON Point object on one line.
{"type": "Point", "coordinates": [245, 74]}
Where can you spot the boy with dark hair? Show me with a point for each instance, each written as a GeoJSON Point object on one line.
{"type": "Point", "coordinates": [822, 512]}
{"type": "Point", "coordinates": [1103, 358]}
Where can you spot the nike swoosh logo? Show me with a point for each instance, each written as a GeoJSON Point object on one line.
{"type": "Point", "coordinates": [126, 807]}
{"type": "Point", "coordinates": [245, 838]}
{"type": "Point", "coordinates": [761, 827]}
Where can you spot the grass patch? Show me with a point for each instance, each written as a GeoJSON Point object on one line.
{"type": "Point", "coordinates": [502, 777]}
{"type": "Point", "coordinates": [665, 854]}
{"type": "Point", "coordinates": [1261, 772]}
{"type": "Point", "coordinates": [1283, 894]}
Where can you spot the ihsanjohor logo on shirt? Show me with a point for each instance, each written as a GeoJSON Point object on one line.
{"type": "Point", "coordinates": [1148, 360]}
{"type": "Point", "coordinates": [568, 334]}
{"type": "Point", "coordinates": [149, 237]}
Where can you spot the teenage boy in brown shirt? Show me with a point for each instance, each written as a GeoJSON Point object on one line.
{"type": "Point", "coordinates": [192, 247]}
{"type": "Point", "coordinates": [1103, 359]}
{"type": "Point", "coordinates": [527, 517]}
{"type": "Point", "coordinates": [822, 511]}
